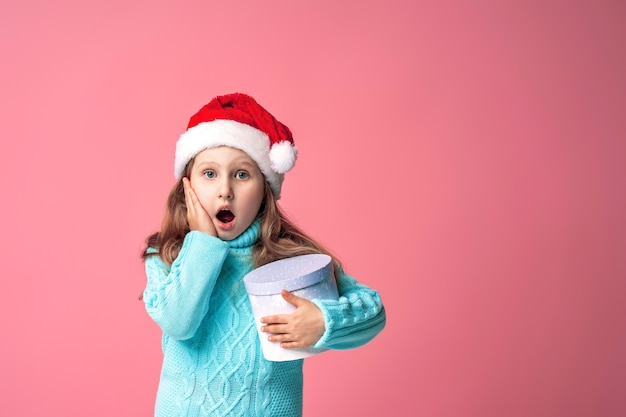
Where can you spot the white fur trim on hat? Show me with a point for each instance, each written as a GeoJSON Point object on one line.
{"type": "Point", "coordinates": [223, 132]}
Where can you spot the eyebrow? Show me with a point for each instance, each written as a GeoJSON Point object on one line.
{"type": "Point", "coordinates": [243, 161]}
{"type": "Point", "coordinates": [237, 161]}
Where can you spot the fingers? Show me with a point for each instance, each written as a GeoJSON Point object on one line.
{"type": "Point", "coordinates": [293, 340]}
{"type": "Point", "coordinates": [286, 342]}
{"type": "Point", "coordinates": [292, 298]}
{"type": "Point", "coordinates": [197, 217]}
{"type": "Point", "coordinates": [188, 198]}
{"type": "Point", "coordinates": [191, 199]}
{"type": "Point", "coordinates": [302, 328]}
{"type": "Point", "coordinates": [284, 318]}
{"type": "Point", "coordinates": [275, 328]}
{"type": "Point", "coordinates": [280, 328]}
{"type": "Point", "coordinates": [276, 319]}
{"type": "Point", "coordinates": [285, 336]}
{"type": "Point", "coordinates": [292, 345]}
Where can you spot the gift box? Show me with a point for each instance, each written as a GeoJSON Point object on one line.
{"type": "Point", "coordinates": [307, 276]}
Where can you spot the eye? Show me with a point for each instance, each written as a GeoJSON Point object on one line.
{"type": "Point", "coordinates": [242, 175]}
{"type": "Point", "coordinates": [209, 174]}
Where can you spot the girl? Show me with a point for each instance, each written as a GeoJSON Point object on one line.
{"type": "Point", "coordinates": [221, 221]}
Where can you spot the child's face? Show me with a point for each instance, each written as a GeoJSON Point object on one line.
{"type": "Point", "coordinates": [230, 188]}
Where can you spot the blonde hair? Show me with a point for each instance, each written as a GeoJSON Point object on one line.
{"type": "Point", "coordinates": [279, 237]}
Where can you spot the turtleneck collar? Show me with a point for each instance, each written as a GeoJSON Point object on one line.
{"type": "Point", "coordinates": [247, 238]}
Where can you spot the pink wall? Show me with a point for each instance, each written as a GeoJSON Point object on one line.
{"type": "Point", "coordinates": [465, 160]}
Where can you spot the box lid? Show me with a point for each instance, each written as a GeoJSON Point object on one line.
{"type": "Point", "coordinates": [290, 274]}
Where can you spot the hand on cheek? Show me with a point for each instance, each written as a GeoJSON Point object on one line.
{"type": "Point", "coordinates": [197, 217]}
{"type": "Point", "coordinates": [302, 328]}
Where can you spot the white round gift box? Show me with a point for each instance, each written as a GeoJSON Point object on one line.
{"type": "Point", "coordinates": [307, 276]}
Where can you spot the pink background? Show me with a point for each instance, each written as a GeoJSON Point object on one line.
{"type": "Point", "coordinates": [466, 159]}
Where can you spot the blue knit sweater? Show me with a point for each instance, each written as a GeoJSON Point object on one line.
{"type": "Point", "coordinates": [212, 363]}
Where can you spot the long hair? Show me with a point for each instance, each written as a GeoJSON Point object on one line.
{"type": "Point", "coordinates": [279, 237]}
{"type": "Point", "coordinates": [174, 226]}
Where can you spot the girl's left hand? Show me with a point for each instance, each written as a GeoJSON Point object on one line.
{"type": "Point", "coordinates": [302, 328]}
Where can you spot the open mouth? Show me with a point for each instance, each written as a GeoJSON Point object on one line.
{"type": "Point", "coordinates": [225, 216]}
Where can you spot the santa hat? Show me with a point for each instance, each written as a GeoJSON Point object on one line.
{"type": "Point", "coordinates": [238, 121]}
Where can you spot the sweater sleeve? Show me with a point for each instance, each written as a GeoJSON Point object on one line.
{"type": "Point", "coordinates": [352, 320]}
{"type": "Point", "coordinates": [177, 297]}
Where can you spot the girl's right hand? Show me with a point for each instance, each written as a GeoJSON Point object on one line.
{"type": "Point", "coordinates": [197, 217]}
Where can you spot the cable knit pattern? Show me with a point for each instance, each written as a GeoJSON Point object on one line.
{"type": "Point", "coordinates": [212, 359]}
{"type": "Point", "coordinates": [354, 319]}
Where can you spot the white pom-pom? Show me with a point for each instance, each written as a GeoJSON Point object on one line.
{"type": "Point", "coordinates": [283, 156]}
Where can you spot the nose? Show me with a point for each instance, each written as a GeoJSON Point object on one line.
{"type": "Point", "coordinates": [226, 190]}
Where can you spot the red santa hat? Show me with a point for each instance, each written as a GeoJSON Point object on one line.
{"type": "Point", "coordinates": [237, 120]}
